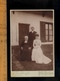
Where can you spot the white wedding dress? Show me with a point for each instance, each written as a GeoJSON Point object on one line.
{"type": "Point", "coordinates": [37, 53]}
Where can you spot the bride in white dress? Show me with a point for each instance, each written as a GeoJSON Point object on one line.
{"type": "Point", "coordinates": [37, 53]}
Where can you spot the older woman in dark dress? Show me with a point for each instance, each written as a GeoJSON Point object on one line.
{"type": "Point", "coordinates": [25, 50]}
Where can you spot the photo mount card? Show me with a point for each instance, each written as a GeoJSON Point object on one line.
{"type": "Point", "coordinates": [22, 55]}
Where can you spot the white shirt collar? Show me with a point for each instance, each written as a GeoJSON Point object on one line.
{"type": "Point", "coordinates": [32, 31]}
{"type": "Point", "coordinates": [25, 41]}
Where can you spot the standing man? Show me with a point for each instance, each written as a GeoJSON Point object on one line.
{"type": "Point", "coordinates": [32, 36]}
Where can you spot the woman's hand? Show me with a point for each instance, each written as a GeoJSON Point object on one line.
{"type": "Point", "coordinates": [21, 48]}
{"type": "Point", "coordinates": [29, 48]}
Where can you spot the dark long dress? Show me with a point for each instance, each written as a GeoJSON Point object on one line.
{"type": "Point", "coordinates": [25, 53]}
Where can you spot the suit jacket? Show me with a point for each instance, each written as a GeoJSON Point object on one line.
{"type": "Point", "coordinates": [31, 37]}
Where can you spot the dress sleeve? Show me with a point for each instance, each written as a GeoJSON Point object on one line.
{"type": "Point", "coordinates": [39, 42]}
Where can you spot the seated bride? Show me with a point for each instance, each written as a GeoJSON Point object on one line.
{"type": "Point", "coordinates": [37, 53]}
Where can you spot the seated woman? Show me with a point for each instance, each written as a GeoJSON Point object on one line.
{"type": "Point", "coordinates": [25, 50]}
{"type": "Point", "coordinates": [37, 53]}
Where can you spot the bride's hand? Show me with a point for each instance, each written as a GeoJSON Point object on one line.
{"type": "Point", "coordinates": [29, 48]}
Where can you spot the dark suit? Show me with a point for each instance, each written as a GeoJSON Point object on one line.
{"type": "Point", "coordinates": [31, 38]}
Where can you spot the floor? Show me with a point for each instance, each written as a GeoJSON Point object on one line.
{"type": "Point", "coordinates": [18, 65]}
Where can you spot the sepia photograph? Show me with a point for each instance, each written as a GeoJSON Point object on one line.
{"type": "Point", "coordinates": [32, 43]}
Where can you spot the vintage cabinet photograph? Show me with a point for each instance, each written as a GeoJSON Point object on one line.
{"type": "Point", "coordinates": [32, 43]}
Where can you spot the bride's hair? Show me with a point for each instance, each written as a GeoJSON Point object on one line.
{"type": "Point", "coordinates": [37, 35]}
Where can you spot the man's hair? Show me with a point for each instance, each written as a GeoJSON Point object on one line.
{"type": "Point", "coordinates": [37, 34]}
{"type": "Point", "coordinates": [32, 27]}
